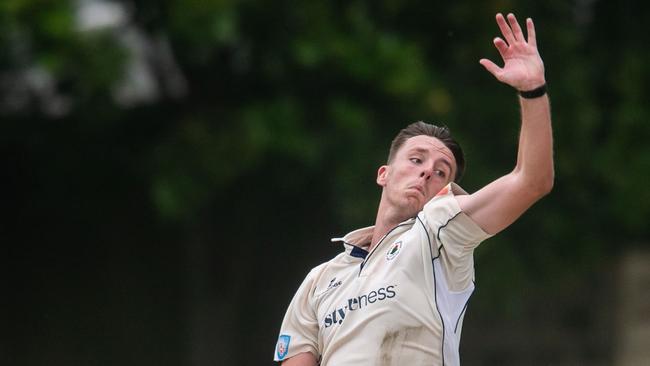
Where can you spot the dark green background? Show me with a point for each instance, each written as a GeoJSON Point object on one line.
{"type": "Point", "coordinates": [174, 231]}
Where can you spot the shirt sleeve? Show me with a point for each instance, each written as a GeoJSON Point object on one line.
{"type": "Point", "coordinates": [299, 331]}
{"type": "Point", "coordinates": [454, 236]}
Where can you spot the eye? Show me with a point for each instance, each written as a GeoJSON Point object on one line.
{"type": "Point", "coordinates": [416, 160]}
{"type": "Point", "coordinates": [440, 173]}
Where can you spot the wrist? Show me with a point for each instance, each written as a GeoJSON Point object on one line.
{"type": "Point", "coordinates": [533, 93]}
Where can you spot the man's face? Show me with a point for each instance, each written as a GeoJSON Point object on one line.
{"type": "Point", "coordinates": [419, 170]}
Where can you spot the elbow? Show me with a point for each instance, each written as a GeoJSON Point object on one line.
{"type": "Point", "coordinates": [547, 186]}
{"type": "Point", "coordinates": [538, 186]}
{"type": "Point", "coordinates": [544, 186]}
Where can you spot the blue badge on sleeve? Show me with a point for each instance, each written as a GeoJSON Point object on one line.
{"type": "Point", "coordinates": [283, 346]}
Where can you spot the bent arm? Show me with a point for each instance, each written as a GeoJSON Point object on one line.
{"type": "Point", "coordinates": [500, 203]}
{"type": "Point", "coordinates": [301, 359]}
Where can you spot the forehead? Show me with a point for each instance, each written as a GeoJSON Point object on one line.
{"type": "Point", "coordinates": [427, 144]}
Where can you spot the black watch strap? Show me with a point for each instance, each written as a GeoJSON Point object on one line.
{"type": "Point", "coordinates": [535, 93]}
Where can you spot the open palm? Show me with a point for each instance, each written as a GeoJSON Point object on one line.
{"type": "Point", "coordinates": [523, 67]}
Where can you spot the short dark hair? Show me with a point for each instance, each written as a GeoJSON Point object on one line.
{"type": "Point", "coordinates": [441, 133]}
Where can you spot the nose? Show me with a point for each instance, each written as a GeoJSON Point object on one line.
{"type": "Point", "coordinates": [425, 174]}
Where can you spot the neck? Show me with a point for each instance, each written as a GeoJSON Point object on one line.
{"type": "Point", "coordinates": [386, 219]}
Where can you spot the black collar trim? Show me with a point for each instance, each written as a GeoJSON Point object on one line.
{"type": "Point", "coordinates": [358, 252]}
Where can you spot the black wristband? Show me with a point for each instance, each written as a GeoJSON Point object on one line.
{"type": "Point", "coordinates": [535, 93]}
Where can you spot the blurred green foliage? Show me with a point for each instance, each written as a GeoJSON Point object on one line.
{"type": "Point", "coordinates": [289, 108]}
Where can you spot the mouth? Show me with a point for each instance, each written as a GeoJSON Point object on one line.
{"type": "Point", "coordinates": [419, 189]}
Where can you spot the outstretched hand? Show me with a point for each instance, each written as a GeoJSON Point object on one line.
{"type": "Point", "coordinates": [523, 67]}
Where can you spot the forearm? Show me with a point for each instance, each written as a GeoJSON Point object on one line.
{"type": "Point", "coordinates": [534, 166]}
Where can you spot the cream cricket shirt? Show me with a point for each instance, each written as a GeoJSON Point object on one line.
{"type": "Point", "coordinates": [401, 304]}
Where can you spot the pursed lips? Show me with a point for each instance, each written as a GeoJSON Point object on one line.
{"type": "Point", "coordinates": [419, 189]}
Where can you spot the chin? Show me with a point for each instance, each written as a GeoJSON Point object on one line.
{"type": "Point", "coordinates": [412, 208]}
{"type": "Point", "coordinates": [408, 207]}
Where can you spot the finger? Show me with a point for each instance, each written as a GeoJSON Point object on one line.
{"type": "Point", "coordinates": [505, 29]}
{"type": "Point", "coordinates": [491, 67]}
{"type": "Point", "coordinates": [530, 28]}
{"type": "Point", "coordinates": [516, 29]}
{"type": "Point", "coordinates": [501, 46]}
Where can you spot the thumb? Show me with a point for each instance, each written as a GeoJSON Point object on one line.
{"type": "Point", "coordinates": [491, 67]}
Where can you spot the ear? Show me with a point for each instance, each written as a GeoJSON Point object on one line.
{"type": "Point", "coordinates": [382, 175]}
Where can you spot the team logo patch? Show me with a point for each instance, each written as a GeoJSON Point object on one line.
{"type": "Point", "coordinates": [394, 250]}
{"type": "Point", "coordinates": [283, 346]}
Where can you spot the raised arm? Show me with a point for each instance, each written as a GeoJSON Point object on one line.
{"type": "Point", "coordinates": [500, 203]}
